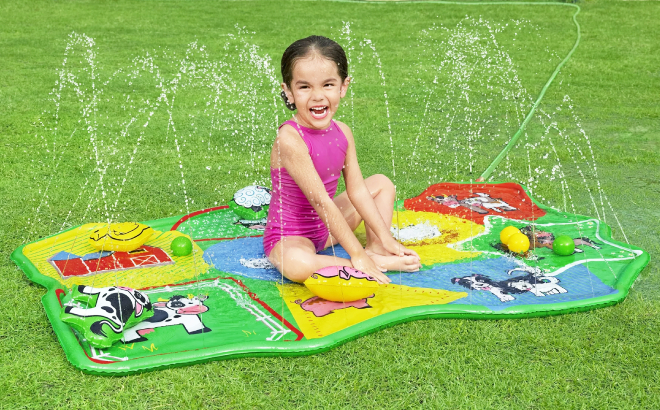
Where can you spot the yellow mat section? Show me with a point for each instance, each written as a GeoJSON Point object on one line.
{"type": "Point", "coordinates": [433, 250]}
{"type": "Point", "coordinates": [335, 316]}
{"type": "Point", "coordinates": [76, 241]}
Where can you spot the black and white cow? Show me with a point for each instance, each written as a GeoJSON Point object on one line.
{"type": "Point", "coordinates": [178, 310]}
{"type": "Point", "coordinates": [114, 306]}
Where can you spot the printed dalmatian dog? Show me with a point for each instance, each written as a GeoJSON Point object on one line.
{"type": "Point", "coordinates": [533, 282]}
{"type": "Point", "coordinates": [177, 310]}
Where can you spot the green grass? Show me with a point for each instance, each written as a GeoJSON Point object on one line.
{"type": "Point", "coordinates": [606, 358]}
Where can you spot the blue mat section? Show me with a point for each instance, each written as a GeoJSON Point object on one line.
{"type": "Point", "coordinates": [577, 282]}
{"type": "Point", "coordinates": [226, 256]}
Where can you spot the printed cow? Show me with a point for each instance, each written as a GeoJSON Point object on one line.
{"type": "Point", "coordinates": [480, 204]}
{"type": "Point", "coordinates": [177, 310]}
{"type": "Point", "coordinates": [485, 201]}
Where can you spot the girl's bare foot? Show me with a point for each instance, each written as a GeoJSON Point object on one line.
{"type": "Point", "coordinates": [376, 249]}
{"type": "Point", "coordinates": [395, 262]}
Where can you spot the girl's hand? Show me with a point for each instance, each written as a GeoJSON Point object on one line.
{"type": "Point", "coordinates": [365, 264]}
{"type": "Point", "coordinates": [395, 248]}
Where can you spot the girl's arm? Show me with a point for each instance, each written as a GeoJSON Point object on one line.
{"type": "Point", "coordinates": [291, 153]}
{"type": "Point", "coordinates": [362, 200]}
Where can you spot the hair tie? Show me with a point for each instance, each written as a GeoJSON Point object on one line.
{"type": "Point", "coordinates": [289, 105]}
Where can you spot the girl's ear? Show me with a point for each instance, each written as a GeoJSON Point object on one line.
{"type": "Point", "coordinates": [288, 93]}
{"type": "Point", "coordinates": [287, 96]}
{"type": "Point", "coordinates": [344, 87]}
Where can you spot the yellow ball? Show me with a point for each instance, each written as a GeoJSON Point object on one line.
{"type": "Point", "coordinates": [507, 233]}
{"type": "Point", "coordinates": [518, 243]}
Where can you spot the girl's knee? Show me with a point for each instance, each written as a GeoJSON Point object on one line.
{"type": "Point", "coordinates": [296, 275]}
{"type": "Point", "coordinates": [299, 267]}
{"type": "Point", "coordinates": [381, 183]}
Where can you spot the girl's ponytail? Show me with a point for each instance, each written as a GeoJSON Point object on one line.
{"type": "Point", "coordinates": [289, 104]}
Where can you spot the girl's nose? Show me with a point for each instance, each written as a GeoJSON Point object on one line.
{"type": "Point", "coordinates": [317, 95]}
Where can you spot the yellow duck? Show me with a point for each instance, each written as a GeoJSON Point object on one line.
{"type": "Point", "coordinates": [120, 237]}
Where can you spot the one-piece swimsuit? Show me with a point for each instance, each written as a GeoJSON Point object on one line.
{"type": "Point", "coordinates": [290, 213]}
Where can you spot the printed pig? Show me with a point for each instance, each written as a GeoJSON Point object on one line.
{"type": "Point", "coordinates": [321, 307]}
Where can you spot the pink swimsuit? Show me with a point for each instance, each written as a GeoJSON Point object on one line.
{"type": "Point", "coordinates": [290, 213]}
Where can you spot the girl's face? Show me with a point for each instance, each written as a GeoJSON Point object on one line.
{"type": "Point", "coordinates": [316, 89]}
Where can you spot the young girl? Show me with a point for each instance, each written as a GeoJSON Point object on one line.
{"type": "Point", "coordinates": [308, 154]}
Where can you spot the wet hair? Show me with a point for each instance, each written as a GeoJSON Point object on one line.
{"type": "Point", "coordinates": [304, 47]}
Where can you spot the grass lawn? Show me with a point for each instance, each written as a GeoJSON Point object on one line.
{"type": "Point", "coordinates": [70, 131]}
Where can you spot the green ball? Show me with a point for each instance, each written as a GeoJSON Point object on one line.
{"type": "Point", "coordinates": [563, 245]}
{"type": "Point", "coordinates": [181, 246]}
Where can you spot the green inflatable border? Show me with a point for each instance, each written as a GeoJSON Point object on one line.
{"type": "Point", "coordinates": [77, 356]}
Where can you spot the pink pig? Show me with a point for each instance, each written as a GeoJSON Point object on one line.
{"type": "Point", "coordinates": [344, 272]}
{"type": "Point", "coordinates": [321, 307]}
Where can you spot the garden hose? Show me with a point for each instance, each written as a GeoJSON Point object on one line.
{"type": "Point", "coordinates": [512, 142]}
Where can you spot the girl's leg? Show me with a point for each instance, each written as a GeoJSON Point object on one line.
{"type": "Point", "coordinates": [383, 192]}
{"type": "Point", "coordinates": [296, 258]}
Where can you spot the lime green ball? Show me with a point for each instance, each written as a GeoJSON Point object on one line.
{"type": "Point", "coordinates": [181, 246]}
{"type": "Point", "coordinates": [563, 245]}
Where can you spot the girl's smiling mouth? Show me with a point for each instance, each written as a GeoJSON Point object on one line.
{"type": "Point", "coordinates": [319, 112]}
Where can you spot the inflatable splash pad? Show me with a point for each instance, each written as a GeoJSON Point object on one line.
{"type": "Point", "coordinates": [223, 299]}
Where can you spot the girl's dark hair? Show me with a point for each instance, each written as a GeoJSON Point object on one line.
{"type": "Point", "coordinates": [302, 48]}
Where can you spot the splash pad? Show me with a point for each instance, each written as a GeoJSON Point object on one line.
{"type": "Point", "coordinates": [250, 310]}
